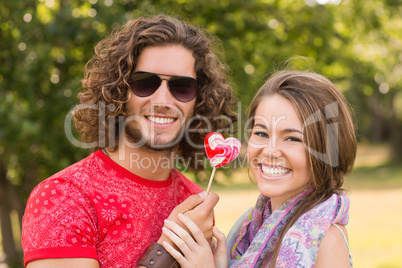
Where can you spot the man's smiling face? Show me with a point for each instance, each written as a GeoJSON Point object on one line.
{"type": "Point", "coordinates": [158, 120]}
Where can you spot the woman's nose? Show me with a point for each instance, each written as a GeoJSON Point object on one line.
{"type": "Point", "coordinates": [272, 150]}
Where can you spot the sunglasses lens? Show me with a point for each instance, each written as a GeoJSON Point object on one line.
{"type": "Point", "coordinates": [145, 84]}
{"type": "Point", "coordinates": [183, 88]}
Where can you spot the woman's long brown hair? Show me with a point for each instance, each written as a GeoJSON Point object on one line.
{"type": "Point", "coordinates": [329, 135]}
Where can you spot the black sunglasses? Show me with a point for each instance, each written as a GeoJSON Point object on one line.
{"type": "Point", "coordinates": [145, 84]}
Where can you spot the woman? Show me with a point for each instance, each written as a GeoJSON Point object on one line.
{"type": "Point", "coordinates": [301, 147]}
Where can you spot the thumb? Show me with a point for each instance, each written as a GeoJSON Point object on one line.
{"type": "Point", "coordinates": [209, 203]}
{"type": "Point", "coordinates": [192, 201]}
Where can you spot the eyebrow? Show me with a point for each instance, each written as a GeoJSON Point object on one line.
{"type": "Point", "coordinates": [288, 130]}
{"type": "Point", "coordinates": [260, 125]}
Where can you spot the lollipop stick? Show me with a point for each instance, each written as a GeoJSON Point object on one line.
{"type": "Point", "coordinates": [210, 179]}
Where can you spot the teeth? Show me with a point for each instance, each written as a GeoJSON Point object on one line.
{"type": "Point", "coordinates": [160, 120]}
{"type": "Point", "coordinates": [274, 171]}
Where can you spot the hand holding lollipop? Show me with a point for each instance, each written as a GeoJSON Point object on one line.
{"type": "Point", "coordinates": [220, 151]}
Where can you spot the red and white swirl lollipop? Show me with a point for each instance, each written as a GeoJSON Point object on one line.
{"type": "Point", "coordinates": [220, 151]}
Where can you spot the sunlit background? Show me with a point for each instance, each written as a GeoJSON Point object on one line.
{"type": "Point", "coordinates": [45, 44]}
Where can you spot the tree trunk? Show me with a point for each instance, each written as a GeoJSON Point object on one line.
{"type": "Point", "coordinates": [378, 127]}
{"type": "Point", "coordinates": [396, 134]}
{"type": "Point", "coordinates": [10, 250]}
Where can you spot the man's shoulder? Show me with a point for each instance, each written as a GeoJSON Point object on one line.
{"type": "Point", "coordinates": [79, 166]}
{"type": "Point", "coordinates": [74, 173]}
{"type": "Point", "coordinates": [72, 185]}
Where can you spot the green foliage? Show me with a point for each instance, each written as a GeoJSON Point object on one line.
{"type": "Point", "coordinates": [45, 44]}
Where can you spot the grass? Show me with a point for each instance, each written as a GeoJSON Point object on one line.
{"type": "Point", "coordinates": [385, 176]}
{"type": "Point", "coordinates": [374, 228]}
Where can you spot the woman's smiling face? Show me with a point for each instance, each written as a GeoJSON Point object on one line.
{"type": "Point", "coordinates": [277, 155]}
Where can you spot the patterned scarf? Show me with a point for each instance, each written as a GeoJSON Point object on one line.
{"type": "Point", "coordinates": [255, 243]}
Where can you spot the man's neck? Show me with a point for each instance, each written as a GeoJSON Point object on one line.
{"type": "Point", "coordinates": [144, 162]}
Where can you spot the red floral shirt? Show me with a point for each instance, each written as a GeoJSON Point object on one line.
{"type": "Point", "coordinates": [97, 209]}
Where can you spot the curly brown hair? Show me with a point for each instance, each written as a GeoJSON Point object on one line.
{"type": "Point", "coordinates": [108, 73]}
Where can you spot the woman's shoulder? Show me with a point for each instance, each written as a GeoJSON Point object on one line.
{"type": "Point", "coordinates": [337, 233]}
{"type": "Point", "coordinates": [334, 248]}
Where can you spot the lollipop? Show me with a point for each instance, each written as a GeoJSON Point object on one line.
{"type": "Point", "coordinates": [220, 151]}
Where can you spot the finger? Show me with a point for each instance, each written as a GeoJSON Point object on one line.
{"type": "Point", "coordinates": [220, 252]}
{"type": "Point", "coordinates": [180, 237]}
{"type": "Point", "coordinates": [213, 244]}
{"type": "Point", "coordinates": [192, 201]}
{"type": "Point", "coordinates": [175, 254]}
{"type": "Point", "coordinates": [194, 229]}
{"type": "Point", "coordinates": [221, 241]}
{"type": "Point", "coordinates": [177, 241]}
{"type": "Point", "coordinates": [209, 203]}
{"type": "Point", "coordinates": [218, 234]}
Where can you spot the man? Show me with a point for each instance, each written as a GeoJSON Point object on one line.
{"type": "Point", "coordinates": [152, 92]}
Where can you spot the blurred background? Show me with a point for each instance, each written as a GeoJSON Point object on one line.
{"type": "Point", "coordinates": [45, 44]}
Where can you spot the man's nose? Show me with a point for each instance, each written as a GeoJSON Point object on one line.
{"type": "Point", "coordinates": [162, 94]}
